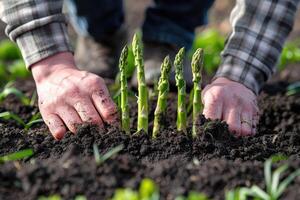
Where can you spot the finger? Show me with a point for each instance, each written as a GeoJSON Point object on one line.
{"type": "Point", "coordinates": [55, 125]}
{"type": "Point", "coordinates": [246, 123]}
{"type": "Point", "coordinates": [232, 116]}
{"type": "Point", "coordinates": [70, 117]}
{"type": "Point", "coordinates": [87, 112]}
{"type": "Point", "coordinates": [105, 106]}
{"type": "Point", "coordinates": [212, 106]}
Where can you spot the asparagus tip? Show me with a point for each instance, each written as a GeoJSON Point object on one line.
{"type": "Point", "coordinates": [197, 60]}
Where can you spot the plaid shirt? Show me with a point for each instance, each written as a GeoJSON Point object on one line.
{"type": "Point", "coordinates": [260, 28]}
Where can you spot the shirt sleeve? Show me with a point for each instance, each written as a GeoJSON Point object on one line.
{"type": "Point", "coordinates": [260, 28]}
{"type": "Point", "coordinates": [37, 26]}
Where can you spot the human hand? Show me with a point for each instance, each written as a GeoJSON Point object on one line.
{"type": "Point", "coordinates": [68, 97]}
{"type": "Point", "coordinates": [233, 102]}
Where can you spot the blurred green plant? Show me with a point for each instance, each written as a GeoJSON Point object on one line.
{"type": "Point", "coordinates": [293, 89]}
{"type": "Point", "coordinates": [58, 197]}
{"type": "Point", "coordinates": [274, 188]}
{"type": "Point", "coordinates": [9, 89]}
{"type": "Point", "coordinates": [290, 54]}
{"type": "Point", "coordinates": [193, 196]}
{"type": "Point", "coordinates": [16, 156]}
{"type": "Point", "coordinates": [99, 159]}
{"type": "Point", "coordinates": [147, 191]}
{"type": "Point", "coordinates": [11, 64]}
{"type": "Point", "coordinates": [36, 118]}
{"type": "Point", "coordinates": [212, 42]}
{"type": "Point", "coordinates": [18, 70]}
{"type": "Point", "coordinates": [9, 51]}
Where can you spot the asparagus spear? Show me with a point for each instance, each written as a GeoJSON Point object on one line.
{"type": "Point", "coordinates": [181, 87]}
{"type": "Point", "coordinates": [124, 91]}
{"type": "Point", "coordinates": [163, 90]}
{"type": "Point", "coordinates": [197, 65]}
{"type": "Point", "coordinates": [142, 123]}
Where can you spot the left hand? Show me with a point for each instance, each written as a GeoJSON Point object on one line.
{"type": "Point", "coordinates": [233, 102]}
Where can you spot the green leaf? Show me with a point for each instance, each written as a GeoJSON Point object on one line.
{"type": "Point", "coordinates": [276, 178]}
{"type": "Point", "coordinates": [268, 169]}
{"type": "Point", "coordinates": [99, 159]}
{"type": "Point", "coordinates": [293, 89]}
{"type": "Point", "coordinates": [268, 174]}
{"type": "Point", "coordinates": [11, 90]}
{"type": "Point", "coordinates": [17, 155]}
{"type": "Point", "coordinates": [80, 197]}
{"type": "Point", "coordinates": [125, 194]}
{"type": "Point", "coordinates": [257, 192]}
{"type": "Point", "coordinates": [52, 197]}
{"type": "Point", "coordinates": [196, 196]}
{"type": "Point", "coordinates": [112, 152]}
{"type": "Point", "coordinates": [18, 70]}
{"type": "Point", "coordinates": [238, 194]}
{"type": "Point", "coordinates": [9, 51]}
{"type": "Point", "coordinates": [148, 190]}
{"type": "Point", "coordinates": [96, 154]}
{"type": "Point", "coordinates": [11, 116]}
{"type": "Point", "coordinates": [283, 185]}
{"type": "Point", "coordinates": [32, 122]}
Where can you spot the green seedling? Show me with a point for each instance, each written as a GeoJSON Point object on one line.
{"type": "Point", "coordinates": [147, 191]}
{"type": "Point", "coordinates": [18, 70]}
{"type": "Point", "coordinates": [58, 197]}
{"type": "Point", "coordinates": [26, 153]}
{"type": "Point", "coordinates": [274, 188]}
{"type": "Point", "coordinates": [193, 196]}
{"type": "Point", "coordinates": [181, 88]}
{"type": "Point", "coordinates": [9, 51]}
{"type": "Point", "coordinates": [11, 116]}
{"type": "Point", "coordinates": [197, 65]}
{"type": "Point", "coordinates": [124, 91]}
{"type": "Point", "coordinates": [99, 159]}
{"type": "Point", "coordinates": [137, 48]}
{"type": "Point", "coordinates": [290, 55]}
{"type": "Point", "coordinates": [125, 194]}
{"type": "Point", "coordinates": [238, 194]}
{"type": "Point", "coordinates": [293, 89]}
{"type": "Point", "coordinates": [163, 91]}
{"type": "Point", "coordinates": [9, 89]}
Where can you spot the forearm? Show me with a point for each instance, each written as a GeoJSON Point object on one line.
{"type": "Point", "coordinates": [38, 27]}
{"type": "Point", "coordinates": [260, 29]}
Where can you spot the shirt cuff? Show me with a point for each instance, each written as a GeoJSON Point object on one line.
{"type": "Point", "coordinates": [44, 41]}
{"type": "Point", "coordinates": [240, 71]}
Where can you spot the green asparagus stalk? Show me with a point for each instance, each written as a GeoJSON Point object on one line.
{"type": "Point", "coordinates": [124, 91]}
{"type": "Point", "coordinates": [181, 87]}
{"type": "Point", "coordinates": [197, 65]}
{"type": "Point", "coordinates": [142, 123]}
{"type": "Point", "coordinates": [163, 90]}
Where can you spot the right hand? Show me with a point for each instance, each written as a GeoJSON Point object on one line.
{"type": "Point", "coordinates": [232, 102]}
{"type": "Point", "coordinates": [68, 97]}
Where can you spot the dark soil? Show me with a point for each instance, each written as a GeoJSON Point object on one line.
{"type": "Point", "coordinates": [213, 163]}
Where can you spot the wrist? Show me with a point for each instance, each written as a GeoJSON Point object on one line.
{"type": "Point", "coordinates": [51, 65]}
{"type": "Point", "coordinates": [224, 80]}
